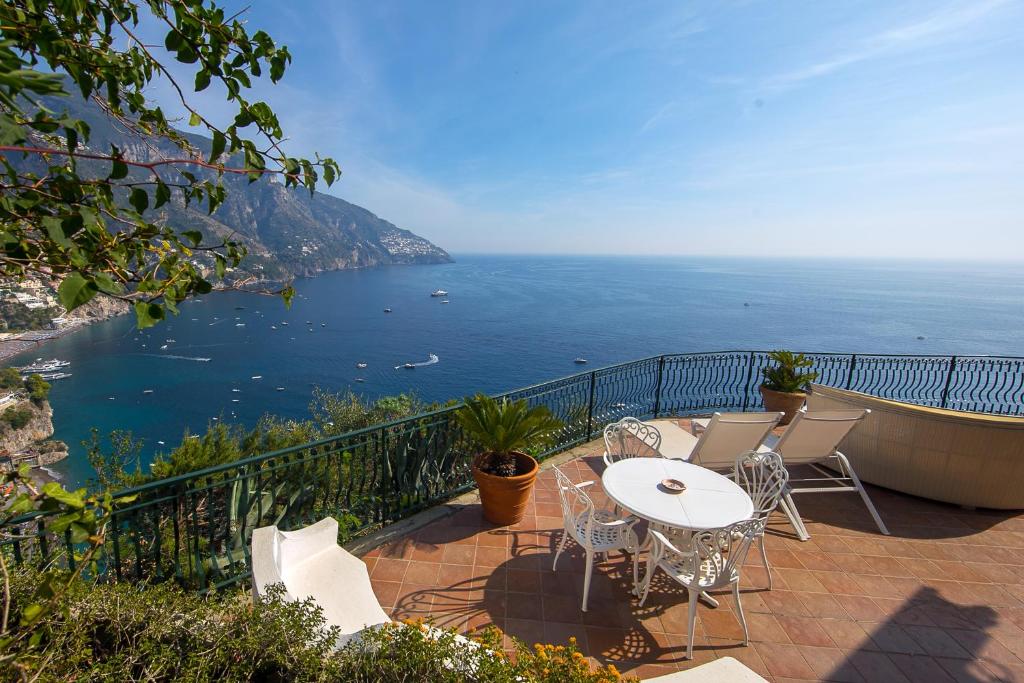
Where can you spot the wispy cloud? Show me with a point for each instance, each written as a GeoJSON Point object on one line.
{"type": "Point", "coordinates": [939, 25]}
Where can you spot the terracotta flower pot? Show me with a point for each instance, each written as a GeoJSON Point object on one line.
{"type": "Point", "coordinates": [782, 402]}
{"type": "Point", "coordinates": [504, 499]}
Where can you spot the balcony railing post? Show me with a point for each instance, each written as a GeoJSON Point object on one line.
{"type": "Point", "coordinates": [657, 388]}
{"type": "Point", "coordinates": [949, 380]}
{"type": "Point", "coordinates": [590, 404]}
{"type": "Point", "coordinates": [746, 383]}
{"type": "Point", "coordinates": [849, 376]}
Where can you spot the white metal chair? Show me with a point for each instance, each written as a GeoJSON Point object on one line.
{"type": "Point", "coordinates": [596, 531]}
{"type": "Point", "coordinates": [710, 561]}
{"type": "Point", "coordinates": [726, 436]}
{"type": "Point", "coordinates": [813, 439]}
{"type": "Point", "coordinates": [630, 438]}
{"type": "Point", "coordinates": [763, 476]}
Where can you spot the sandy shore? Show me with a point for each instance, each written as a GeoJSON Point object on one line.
{"type": "Point", "coordinates": [11, 344]}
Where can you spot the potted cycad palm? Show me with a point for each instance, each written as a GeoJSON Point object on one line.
{"type": "Point", "coordinates": [503, 430]}
{"type": "Point", "coordinates": [784, 385]}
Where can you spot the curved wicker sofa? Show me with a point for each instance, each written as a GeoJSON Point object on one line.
{"type": "Point", "coordinates": [969, 459]}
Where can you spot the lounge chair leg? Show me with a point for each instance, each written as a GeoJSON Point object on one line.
{"type": "Point", "coordinates": [586, 578]}
{"type": "Point", "coordinates": [739, 608]}
{"type": "Point", "coordinates": [789, 507]}
{"type": "Point", "coordinates": [692, 618]}
{"type": "Point", "coordinates": [764, 556]}
{"type": "Point", "coordinates": [561, 547]}
{"type": "Point", "coordinates": [863, 493]}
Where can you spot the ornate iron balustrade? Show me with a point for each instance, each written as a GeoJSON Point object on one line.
{"type": "Point", "coordinates": [195, 528]}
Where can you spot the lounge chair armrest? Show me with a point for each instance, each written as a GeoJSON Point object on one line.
{"type": "Point", "coordinates": [663, 540]}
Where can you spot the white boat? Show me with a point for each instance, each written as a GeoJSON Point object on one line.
{"type": "Point", "coordinates": [163, 347]}
{"type": "Point", "coordinates": [236, 390]}
{"type": "Point", "coordinates": [257, 376]}
{"type": "Point", "coordinates": [580, 361]}
{"type": "Point", "coordinates": [239, 324]}
{"type": "Point", "coordinates": [360, 379]}
{"type": "Point", "coordinates": [439, 292]}
{"type": "Point", "coordinates": [409, 366]}
{"type": "Point", "coordinates": [445, 301]}
{"type": "Point", "coordinates": [55, 375]}
{"type": "Point", "coordinates": [234, 400]}
{"type": "Point", "coordinates": [169, 341]}
{"type": "Point", "coordinates": [387, 310]}
{"type": "Point", "coordinates": [360, 365]}
{"type": "Point", "coordinates": [48, 366]}
{"type": "Point", "coordinates": [279, 388]}
{"type": "Point", "coordinates": [147, 391]}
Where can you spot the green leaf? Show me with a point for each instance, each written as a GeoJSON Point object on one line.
{"type": "Point", "coordinates": [202, 82]}
{"type": "Point", "coordinates": [139, 199]}
{"type": "Point", "coordinates": [55, 230]}
{"type": "Point", "coordinates": [163, 194]}
{"type": "Point", "coordinates": [72, 499]}
{"type": "Point", "coordinates": [147, 314]}
{"type": "Point", "coordinates": [118, 170]}
{"type": "Point", "coordinates": [194, 119]}
{"type": "Point", "coordinates": [75, 290]}
{"type": "Point", "coordinates": [217, 146]}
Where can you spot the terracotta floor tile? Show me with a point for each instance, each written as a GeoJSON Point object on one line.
{"type": "Point", "coordinates": [800, 580]}
{"type": "Point", "coordinates": [889, 637]}
{"type": "Point", "coordinates": [876, 666]}
{"type": "Point", "coordinates": [847, 635]}
{"type": "Point", "coordinates": [784, 660]}
{"type": "Point", "coordinates": [719, 623]}
{"type": "Point", "coordinates": [921, 669]}
{"type": "Point", "coordinates": [830, 663]}
{"type": "Point", "coordinates": [860, 608]}
{"type": "Point", "coordinates": [936, 642]}
{"type": "Point", "coordinates": [386, 592]}
{"type": "Point", "coordinates": [388, 569]}
{"type": "Point", "coordinates": [422, 572]}
{"type": "Point", "coordinates": [805, 631]}
{"type": "Point", "coordinates": [822, 605]}
{"type": "Point", "coordinates": [766, 628]}
{"type": "Point", "coordinates": [491, 557]}
{"type": "Point", "coordinates": [458, 554]}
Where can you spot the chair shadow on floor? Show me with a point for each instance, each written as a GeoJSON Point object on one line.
{"type": "Point", "coordinates": [532, 603]}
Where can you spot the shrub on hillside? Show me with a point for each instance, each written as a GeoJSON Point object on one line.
{"type": "Point", "coordinates": [37, 387]}
{"type": "Point", "coordinates": [16, 417]}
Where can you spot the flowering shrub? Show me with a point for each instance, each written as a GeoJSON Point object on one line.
{"type": "Point", "coordinates": [122, 632]}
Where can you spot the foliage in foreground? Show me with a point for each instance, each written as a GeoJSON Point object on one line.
{"type": "Point", "coordinates": [161, 633]}
{"type": "Point", "coordinates": [75, 210]}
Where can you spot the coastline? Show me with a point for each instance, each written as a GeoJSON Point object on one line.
{"type": "Point", "coordinates": [13, 343]}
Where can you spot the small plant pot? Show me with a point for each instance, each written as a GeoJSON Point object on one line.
{"type": "Point", "coordinates": [504, 499]}
{"type": "Point", "coordinates": [781, 402]}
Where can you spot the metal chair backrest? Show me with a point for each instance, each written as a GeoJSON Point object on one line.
{"type": "Point", "coordinates": [630, 438]}
{"type": "Point", "coordinates": [763, 476]}
{"type": "Point", "coordinates": [575, 504]}
{"type": "Point", "coordinates": [720, 552]}
{"type": "Point", "coordinates": [729, 435]}
{"type": "Point", "coordinates": [813, 436]}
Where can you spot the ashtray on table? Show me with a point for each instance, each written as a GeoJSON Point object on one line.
{"type": "Point", "coordinates": [672, 485]}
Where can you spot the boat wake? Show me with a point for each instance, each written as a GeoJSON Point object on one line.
{"type": "Point", "coordinates": [431, 360]}
{"type": "Point", "coordinates": [196, 359]}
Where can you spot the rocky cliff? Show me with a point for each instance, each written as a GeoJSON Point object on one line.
{"type": "Point", "coordinates": [28, 441]}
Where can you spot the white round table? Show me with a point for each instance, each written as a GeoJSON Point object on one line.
{"type": "Point", "coordinates": [710, 501]}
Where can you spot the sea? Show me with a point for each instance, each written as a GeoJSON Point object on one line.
{"type": "Point", "coordinates": [510, 321]}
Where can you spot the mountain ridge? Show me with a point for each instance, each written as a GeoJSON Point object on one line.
{"type": "Point", "coordinates": [289, 232]}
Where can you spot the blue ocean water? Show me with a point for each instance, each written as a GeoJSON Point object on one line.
{"type": "Point", "coordinates": [511, 321]}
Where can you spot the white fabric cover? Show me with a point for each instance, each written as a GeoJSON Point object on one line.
{"type": "Point", "coordinates": [724, 670]}
{"type": "Point", "coordinates": [311, 564]}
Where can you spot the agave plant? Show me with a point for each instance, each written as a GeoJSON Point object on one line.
{"type": "Point", "coordinates": [501, 427]}
{"type": "Point", "coordinates": [785, 376]}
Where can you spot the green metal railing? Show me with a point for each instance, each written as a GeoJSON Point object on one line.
{"type": "Point", "coordinates": [195, 528]}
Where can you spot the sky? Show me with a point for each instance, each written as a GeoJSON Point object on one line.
{"type": "Point", "coordinates": [835, 129]}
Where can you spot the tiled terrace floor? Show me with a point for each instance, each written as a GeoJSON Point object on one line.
{"type": "Point", "coordinates": [942, 599]}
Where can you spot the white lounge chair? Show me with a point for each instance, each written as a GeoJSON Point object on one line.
{"type": "Point", "coordinates": [726, 437]}
{"type": "Point", "coordinates": [813, 439]}
{"type": "Point", "coordinates": [630, 438]}
{"type": "Point", "coordinates": [311, 564]}
{"type": "Point", "coordinates": [597, 531]}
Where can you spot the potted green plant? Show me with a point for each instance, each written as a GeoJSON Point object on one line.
{"type": "Point", "coordinates": [784, 385]}
{"type": "Point", "coordinates": [502, 430]}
